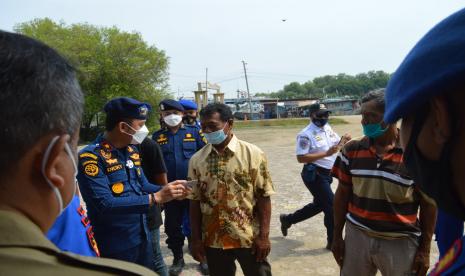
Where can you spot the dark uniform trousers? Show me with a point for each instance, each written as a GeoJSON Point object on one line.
{"type": "Point", "coordinates": [318, 181]}
{"type": "Point", "coordinates": [174, 213]}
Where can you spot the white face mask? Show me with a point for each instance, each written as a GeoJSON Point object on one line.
{"type": "Point", "coordinates": [140, 134]}
{"type": "Point", "coordinates": [55, 189]}
{"type": "Point", "coordinates": [172, 120]}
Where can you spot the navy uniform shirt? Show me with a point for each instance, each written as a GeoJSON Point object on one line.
{"type": "Point", "coordinates": [178, 148]}
{"type": "Point", "coordinates": [115, 190]}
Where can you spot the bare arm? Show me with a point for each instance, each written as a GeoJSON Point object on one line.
{"type": "Point", "coordinates": [198, 249]}
{"type": "Point", "coordinates": [341, 203]}
{"type": "Point", "coordinates": [428, 213]}
{"type": "Point", "coordinates": [262, 245]}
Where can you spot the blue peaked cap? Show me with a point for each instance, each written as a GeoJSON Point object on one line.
{"type": "Point", "coordinates": [434, 66]}
{"type": "Point", "coordinates": [188, 105]}
{"type": "Point", "coordinates": [127, 108]}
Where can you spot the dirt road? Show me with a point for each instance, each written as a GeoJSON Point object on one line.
{"type": "Point", "coordinates": [302, 251]}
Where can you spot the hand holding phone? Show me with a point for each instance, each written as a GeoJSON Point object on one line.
{"type": "Point", "coordinates": [189, 184]}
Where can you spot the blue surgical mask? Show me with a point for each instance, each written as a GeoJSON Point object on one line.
{"type": "Point", "coordinates": [216, 137]}
{"type": "Point", "coordinates": [373, 130]}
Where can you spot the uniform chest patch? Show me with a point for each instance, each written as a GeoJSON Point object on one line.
{"type": "Point", "coordinates": [111, 161]}
{"type": "Point", "coordinates": [105, 154]}
{"type": "Point", "coordinates": [117, 188]}
{"type": "Point", "coordinates": [134, 156]}
{"type": "Point", "coordinates": [318, 138]}
{"type": "Point", "coordinates": [130, 164]}
{"type": "Point", "coordinates": [91, 170]}
{"type": "Point", "coordinates": [114, 168]}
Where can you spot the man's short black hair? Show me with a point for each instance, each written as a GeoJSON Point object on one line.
{"type": "Point", "coordinates": [224, 111]}
{"type": "Point", "coordinates": [39, 96]}
{"type": "Point", "coordinates": [377, 96]}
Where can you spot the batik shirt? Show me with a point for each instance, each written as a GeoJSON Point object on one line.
{"type": "Point", "coordinates": [228, 188]}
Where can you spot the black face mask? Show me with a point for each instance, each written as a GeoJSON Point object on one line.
{"type": "Point", "coordinates": [189, 120]}
{"type": "Point", "coordinates": [433, 177]}
{"type": "Point", "coordinates": [319, 122]}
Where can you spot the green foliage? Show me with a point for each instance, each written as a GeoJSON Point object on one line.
{"type": "Point", "coordinates": [110, 62]}
{"type": "Point", "coordinates": [294, 122]}
{"type": "Point", "coordinates": [333, 86]}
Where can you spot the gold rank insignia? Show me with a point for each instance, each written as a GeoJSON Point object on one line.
{"type": "Point", "coordinates": [89, 155]}
{"type": "Point", "coordinates": [106, 145]}
{"type": "Point", "coordinates": [105, 154]}
{"type": "Point", "coordinates": [134, 156]}
{"type": "Point", "coordinates": [137, 163]}
{"type": "Point", "coordinates": [130, 149]}
{"type": "Point", "coordinates": [162, 136]}
{"type": "Point", "coordinates": [117, 188]}
{"type": "Point", "coordinates": [91, 170]}
{"type": "Point", "coordinates": [188, 135]}
{"type": "Point", "coordinates": [89, 162]}
{"type": "Point", "coordinates": [111, 161]}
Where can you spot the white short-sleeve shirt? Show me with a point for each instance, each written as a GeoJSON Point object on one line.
{"type": "Point", "coordinates": [313, 139]}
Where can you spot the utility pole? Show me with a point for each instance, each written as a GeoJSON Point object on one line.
{"type": "Point", "coordinates": [248, 92]}
{"type": "Point", "coordinates": [206, 83]}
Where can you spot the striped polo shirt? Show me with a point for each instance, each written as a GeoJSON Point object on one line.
{"type": "Point", "coordinates": [384, 200]}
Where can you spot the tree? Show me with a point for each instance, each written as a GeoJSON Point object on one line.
{"type": "Point", "coordinates": [110, 63]}
{"type": "Point", "coordinates": [333, 86]}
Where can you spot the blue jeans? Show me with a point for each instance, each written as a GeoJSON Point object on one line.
{"type": "Point", "coordinates": [159, 265]}
{"type": "Point", "coordinates": [318, 182]}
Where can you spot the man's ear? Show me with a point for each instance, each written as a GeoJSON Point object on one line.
{"type": "Point", "coordinates": [441, 120]}
{"type": "Point", "coordinates": [54, 161]}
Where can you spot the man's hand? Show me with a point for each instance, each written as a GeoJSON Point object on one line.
{"type": "Point", "coordinates": [261, 248]}
{"type": "Point", "coordinates": [173, 190]}
{"type": "Point", "coordinates": [338, 248]}
{"type": "Point", "coordinates": [198, 251]}
{"type": "Point", "coordinates": [332, 150]}
{"type": "Point", "coordinates": [421, 262]}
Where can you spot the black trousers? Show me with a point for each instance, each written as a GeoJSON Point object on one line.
{"type": "Point", "coordinates": [174, 212]}
{"type": "Point", "coordinates": [318, 182]}
{"type": "Point", "coordinates": [221, 262]}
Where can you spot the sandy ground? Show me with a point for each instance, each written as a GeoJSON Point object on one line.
{"type": "Point", "coordinates": [302, 251]}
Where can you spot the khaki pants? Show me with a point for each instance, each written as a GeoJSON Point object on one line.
{"type": "Point", "coordinates": [364, 254]}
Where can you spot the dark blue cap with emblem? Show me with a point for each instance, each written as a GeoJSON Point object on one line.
{"type": "Point", "coordinates": [127, 108]}
{"type": "Point", "coordinates": [434, 66]}
{"type": "Point", "coordinates": [169, 104]}
{"type": "Point", "coordinates": [188, 105]}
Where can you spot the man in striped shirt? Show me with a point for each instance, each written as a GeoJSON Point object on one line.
{"type": "Point", "coordinates": [380, 203]}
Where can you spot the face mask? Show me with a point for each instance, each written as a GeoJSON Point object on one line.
{"type": "Point", "coordinates": [44, 162]}
{"type": "Point", "coordinates": [319, 122]}
{"type": "Point", "coordinates": [172, 120]}
{"type": "Point", "coordinates": [433, 177]}
{"type": "Point", "coordinates": [373, 130]}
{"type": "Point", "coordinates": [189, 120]}
{"type": "Point", "coordinates": [140, 134]}
{"type": "Point", "coordinates": [216, 137]}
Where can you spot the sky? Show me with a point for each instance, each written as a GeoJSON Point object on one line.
{"type": "Point", "coordinates": [316, 38]}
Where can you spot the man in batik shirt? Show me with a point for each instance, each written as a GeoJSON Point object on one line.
{"type": "Point", "coordinates": [230, 203]}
